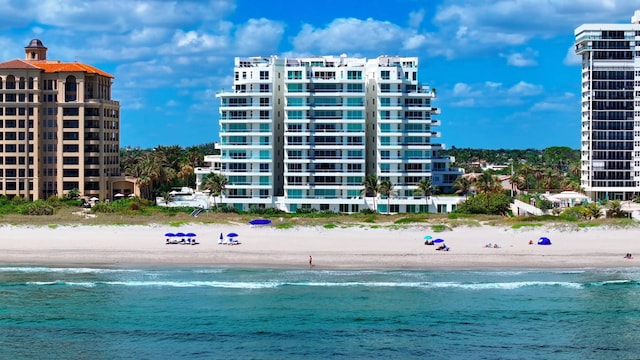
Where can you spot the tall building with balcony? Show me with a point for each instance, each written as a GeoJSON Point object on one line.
{"type": "Point", "coordinates": [59, 127]}
{"type": "Point", "coordinates": [610, 142]}
{"type": "Point", "coordinates": [251, 127]}
{"type": "Point", "coordinates": [305, 132]}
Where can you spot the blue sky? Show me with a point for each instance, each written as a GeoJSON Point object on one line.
{"type": "Point", "coordinates": [504, 70]}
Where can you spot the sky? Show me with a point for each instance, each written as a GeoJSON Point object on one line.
{"type": "Point", "coordinates": [504, 70]}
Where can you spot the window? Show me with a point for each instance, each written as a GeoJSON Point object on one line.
{"type": "Point", "coordinates": [70, 112]}
{"type": "Point", "coordinates": [294, 88]}
{"type": "Point", "coordinates": [294, 75]}
{"type": "Point", "coordinates": [264, 75]}
{"type": "Point", "coordinates": [385, 74]}
{"type": "Point", "coordinates": [70, 89]}
{"type": "Point", "coordinates": [354, 75]}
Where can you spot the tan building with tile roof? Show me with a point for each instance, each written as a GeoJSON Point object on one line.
{"type": "Point", "coordinates": [59, 128]}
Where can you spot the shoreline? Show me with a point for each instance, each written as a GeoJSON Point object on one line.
{"type": "Point", "coordinates": [347, 248]}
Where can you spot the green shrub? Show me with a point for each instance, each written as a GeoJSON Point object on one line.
{"type": "Point", "coordinates": [370, 218]}
{"type": "Point", "coordinates": [439, 228]}
{"type": "Point", "coordinates": [408, 220]}
{"type": "Point", "coordinates": [492, 204]}
{"type": "Point", "coordinates": [306, 210]}
{"type": "Point", "coordinates": [36, 208]}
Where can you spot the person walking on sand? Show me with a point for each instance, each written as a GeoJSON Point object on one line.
{"type": "Point", "coordinates": [310, 261]}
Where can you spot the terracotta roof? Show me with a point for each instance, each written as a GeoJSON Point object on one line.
{"type": "Point", "coordinates": [17, 64]}
{"type": "Point", "coordinates": [52, 67]}
{"type": "Point", "coordinates": [48, 66]}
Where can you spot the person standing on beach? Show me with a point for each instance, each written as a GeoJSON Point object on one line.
{"type": "Point", "coordinates": [310, 261]}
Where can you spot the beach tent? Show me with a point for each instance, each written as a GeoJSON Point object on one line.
{"type": "Point", "coordinates": [544, 241]}
{"type": "Point", "coordinates": [260, 222]}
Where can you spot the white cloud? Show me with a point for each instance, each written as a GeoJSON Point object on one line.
{"type": "Point", "coordinates": [353, 35]}
{"type": "Point", "coordinates": [464, 103]}
{"type": "Point", "coordinates": [524, 89]}
{"type": "Point", "coordinates": [461, 89]}
{"type": "Point", "coordinates": [415, 18]}
{"type": "Point", "coordinates": [492, 84]}
{"type": "Point", "coordinates": [549, 106]}
{"type": "Point", "coordinates": [522, 59]}
{"type": "Point", "coordinates": [414, 42]}
{"type": "Point", "coordinates": [571, 58]}
{"type": "Point", "coordinates": [193, 41]}
{"type": "Point", "coordinates": [258, 36]}
{"type": "Point", "coordinates": [484, 26]}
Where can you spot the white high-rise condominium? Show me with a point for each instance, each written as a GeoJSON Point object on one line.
{"type": "Point", "coordinates": [610, 143]}
{"type": "Point", "coordinates": [305, 133]}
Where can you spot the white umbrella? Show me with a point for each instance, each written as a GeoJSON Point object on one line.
{"type": "Point", "coordinates": [118, 195]}
{"type": "Point", "coordinates": [132, 195]}
{"type": "Point", "coordinates": [94, 199]}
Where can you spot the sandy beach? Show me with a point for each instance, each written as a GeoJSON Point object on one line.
{"type": "Point", "coordinates": [354, 247]}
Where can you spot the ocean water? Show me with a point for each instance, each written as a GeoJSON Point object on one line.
{"type": "Point", "coordinates": [227, 313]}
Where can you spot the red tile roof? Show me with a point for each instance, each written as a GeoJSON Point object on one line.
{"type": "Point", "coordinates": [53, 66]}
{"type": "Point", "coordinates": [17, 64]}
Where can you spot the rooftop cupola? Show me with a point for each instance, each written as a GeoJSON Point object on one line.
{"type": "Point", "coordinates": [35, 50]}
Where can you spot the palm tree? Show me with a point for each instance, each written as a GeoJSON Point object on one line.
{"type": "Point", "coordinates": [574, 169]}
{"type": "Point", "coordinates": [185, 172]}
{"type": "Point", "coordinates": [487, 183]}
{"type": "Point", "coordinates": [216, 183]}
{"type": "Point", "coordinates": [548, 179]}
{"type": "Point", "coordinates": [592, 210]}
{"type": "Point", "coordinates": [463, 185]}
{"type": "Point", "coordinates": [614, 209]}
{"type": "Point", "coordinates": [371, 188]}
{"type": "Point", "coordinates": [523, 173]}
{"type": "Point", "coordinates": [425, 187]}
{"type": "Point", "coordinates": [386, 189]}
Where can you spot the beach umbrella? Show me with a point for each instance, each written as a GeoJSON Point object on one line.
{"type": "Point", "coordinates": [221, 236]}
{"type": "Point", "coordinates": [544, 241]}
{"type": "Point", "coordinates": [181, 234]}
{"type": "Point", "coordinates": [232, 234]}
{"type": "Point", "coordinates": [190, 234]}
{"type": "Point", "coordinates": [428, 237]}
{"type": "Point", "coordinates": [170, 234]}
{"type": "Point", "coordinates": [438, 240]}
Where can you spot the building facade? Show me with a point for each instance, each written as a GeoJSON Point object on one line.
{"type": "Point", "coordinates": [305, 132]}
{"type": "Point", "coordinates": [59, 128]}
{"type": "Point", "coordinates": [610, 142]}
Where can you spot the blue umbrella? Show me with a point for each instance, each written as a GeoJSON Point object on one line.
{"type": "Point", "coordinates": [232, 234]}
{"type": "Point", "coordinates": [428, 237]}
{"type": "Point", "coordinates": [221, 236]}
{"type": "Point", "coordinates": [170, 234]}
{"type": "Point", "coordinates": [544, 241]}
{"type": "Point", "coordinates": [180, 234]}
{"type": "Point", "coordinates": [190, 234]}
{"type": "Point", "coordinates": [438, 240]}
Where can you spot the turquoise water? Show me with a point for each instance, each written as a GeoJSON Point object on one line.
{"type": "Point", "coordinates": [213, 313]}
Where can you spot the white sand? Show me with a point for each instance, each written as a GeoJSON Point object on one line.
{"type": "Point", "coordinates": [352, 247]}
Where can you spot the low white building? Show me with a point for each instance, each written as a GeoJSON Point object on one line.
{"type": "Point", "coordinates": [566, 199]}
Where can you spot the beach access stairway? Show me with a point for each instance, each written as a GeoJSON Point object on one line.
{"type": "Point", "coordinates": [520, 208]}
